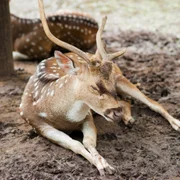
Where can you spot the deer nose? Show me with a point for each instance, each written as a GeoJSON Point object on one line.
{"type": "Point", "coordinates": [113, 113]}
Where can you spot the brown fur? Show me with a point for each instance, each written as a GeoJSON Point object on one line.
{"type": "Point", "coordinates": [29, 38]}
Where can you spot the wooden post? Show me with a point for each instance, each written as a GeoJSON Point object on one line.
{"type": "Point", "coordinates": [6, 60]}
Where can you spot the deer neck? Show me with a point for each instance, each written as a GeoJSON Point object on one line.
{"type": "Point", "coordinates": [79, 109]}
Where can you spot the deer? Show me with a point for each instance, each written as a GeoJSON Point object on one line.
{"type": "Point", "coordinates": [28, 36]}
{"type": "Point", "coordinates": [60, 96]}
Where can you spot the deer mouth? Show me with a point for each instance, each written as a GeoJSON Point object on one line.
{"type": "Point", "coordinates": [109, 119]}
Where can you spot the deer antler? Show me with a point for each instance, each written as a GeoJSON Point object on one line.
{"type": "Point", "coordinates": [56, 40]}
{"type": "Point", "coordinates": [100, 45]}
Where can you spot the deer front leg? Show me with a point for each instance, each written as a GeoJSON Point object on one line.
{"type": "Point", "coordinates": [125, 86]}
{"type": "Point", "coordinates": [64, 140]}
{"type": "Point", "coordinates": [89, 141]}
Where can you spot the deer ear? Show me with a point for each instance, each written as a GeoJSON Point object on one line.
{"type": "Point", "coordinates": [64, 62]}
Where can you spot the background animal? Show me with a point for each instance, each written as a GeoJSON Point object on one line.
{"type": "Point", "coordinates": [28, 36]}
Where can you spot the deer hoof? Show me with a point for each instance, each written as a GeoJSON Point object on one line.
{"type": "Point", "coordinates": [110, 170]}
{"type": "Point", "coordinates": [103, 166]}
{"type": "Point", "coordinates": [176, 125]}
{"type": "Point", "coordinates": [129, 122]}
{"type": "Point", "coordinates": [101, 172]}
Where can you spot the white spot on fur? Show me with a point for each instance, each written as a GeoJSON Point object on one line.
{"type": "Point", "coordinates": [61, 85]}
{"type": "Point", "coordinates": [43, 114]}
{"type": "Point", "coordinates": [21, 113]}
{"type": "Point", "coordinates": [36, 88]}
{"type": "Point", "coordinates": [40, 48]}
{"type": "Point", "coordinates": [52, 93]}
{"type": "Point", "coordinates": [42, 67]}
{"type": "Point", "coordinates": [43, 89]}
{"type": "Point", "coordinates": [35, 28]}
{"type": "Point", "coordinates": [52, 67]}
{"type": "Point", "coordinates": [36, 94]}
{"type": "Point", "coordinates": [51, 84]}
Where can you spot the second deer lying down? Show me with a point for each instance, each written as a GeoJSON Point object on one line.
{"type": "Point", "coordinates": [29, 38]}
{"type": "Point", "coordinates": [60, 95]}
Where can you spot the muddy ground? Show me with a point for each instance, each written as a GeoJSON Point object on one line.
{"type": "Point", "coordinates": [148, 150]}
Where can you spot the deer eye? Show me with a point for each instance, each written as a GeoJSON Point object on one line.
{"type": "Point", "coordinates": [95, 89]}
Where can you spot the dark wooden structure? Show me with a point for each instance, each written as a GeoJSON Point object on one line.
{"type": "Point", "coordinates": [6, 60]}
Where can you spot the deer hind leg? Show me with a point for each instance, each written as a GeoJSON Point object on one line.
{"type": "Point", "coordinates": [125, 86]}
{"type": "Point", "coordinates": [126, 112]}
{"type": "Point", "coordinates": [89, 141]}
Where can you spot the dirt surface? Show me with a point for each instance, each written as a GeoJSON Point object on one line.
{"type": "Point", "coordinates": [148, 150]}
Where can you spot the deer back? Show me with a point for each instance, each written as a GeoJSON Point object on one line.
{"type": "Point", "coordinates": [29, 38]}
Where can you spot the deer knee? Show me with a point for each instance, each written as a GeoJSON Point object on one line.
{"type": "Point", "coordinates": [89, 141]}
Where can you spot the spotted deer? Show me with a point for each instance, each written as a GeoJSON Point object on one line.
{"type": "Point", "coordinates": [29, 38]}
{"type": "Point", "coordinates": [65, 88]}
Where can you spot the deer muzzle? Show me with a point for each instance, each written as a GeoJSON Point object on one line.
{"type": "Point", "coordinates": [113, 113]}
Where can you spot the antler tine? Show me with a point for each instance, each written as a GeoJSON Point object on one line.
{"type": "Point", "coordinates": [100, 45]}
{"type": "Point", "coordinates": [116, 54]}
{"type": "Point", "coordinates": [56, 40]}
